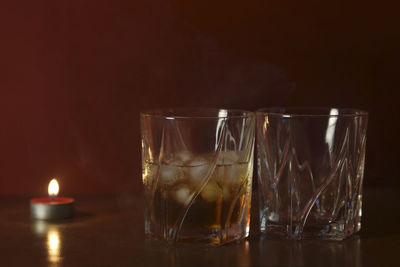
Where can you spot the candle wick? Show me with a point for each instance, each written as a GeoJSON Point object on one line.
{"type": "Point", "coordinates": [52, 197]}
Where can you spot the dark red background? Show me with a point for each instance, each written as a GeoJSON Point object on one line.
{"type": "Point", "coordinates": [75, 74]}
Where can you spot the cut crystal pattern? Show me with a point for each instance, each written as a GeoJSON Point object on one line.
{"type": "Point", "coordinates": [310, 176]}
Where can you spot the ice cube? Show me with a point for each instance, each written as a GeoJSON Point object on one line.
{"type": "Point", "coordinates": [231, 174]}
{"type": "Point", "coordinates": [184, 156]}
{"type": "Point", "coordinates": [227, 157]}
{"type": "Point", "coordinates": [169, 174]}
{"type": "Point", "coordinates": [218, 174]}
{"type": "Point", "coordinates": [198, 170]}
{"type": "Point", "coordinates": [232, 155]}
{"type": "Point", "coordinates": [198, 162]}
{"type": "Point", "coordinates": [227, 174]}
{"type": "Point", "coordinates": [183, 195]}
{"type": "Point", "coordinates": [226, 192]}
{"type": "Point", "coordinates": [210, 192]}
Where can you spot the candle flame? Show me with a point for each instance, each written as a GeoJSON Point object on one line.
{"type": "Point", "coordinates": [53, 188]}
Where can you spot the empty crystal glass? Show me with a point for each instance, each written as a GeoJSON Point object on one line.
{"type": "Point", "coordinates": [310, 171]}
{"type": "Point", "coordinates": [197, 174]}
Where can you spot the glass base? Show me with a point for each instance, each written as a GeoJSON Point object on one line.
{"type": "Point", "coordinates": [211, 236]}
{"type": "Point", "coordinates": [333, 231]}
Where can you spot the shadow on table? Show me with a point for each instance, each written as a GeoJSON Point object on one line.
{"type": "Point", "coordinates": [162, 254]}
{"type": "Point", "coordinates": [307, 252]}
{"type": "Point", "coordinates": [258, 252]}
{"type": "Point", "coordinates": [380, 213]}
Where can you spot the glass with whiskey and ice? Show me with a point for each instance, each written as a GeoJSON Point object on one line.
{"type": "Point", "coordinates": [197, 174]}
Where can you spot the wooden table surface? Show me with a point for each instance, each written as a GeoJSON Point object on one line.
{"type": "Point", "coordinates": [108, 231]}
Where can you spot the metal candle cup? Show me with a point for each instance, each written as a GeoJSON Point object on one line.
{"type": "Point", "coordinates": [48, 209]}
{"type": "Point", "coordinates": [52, 207]}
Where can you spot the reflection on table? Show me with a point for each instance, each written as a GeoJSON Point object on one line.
{"type": "Point", "coordinates": [53, 240]}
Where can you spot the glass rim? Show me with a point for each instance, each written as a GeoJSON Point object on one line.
{"type": "Point", "coordinates": [312, 112]}
{"type": "Point", "coordinates": [197, 113]}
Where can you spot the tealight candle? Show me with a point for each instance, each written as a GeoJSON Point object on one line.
{"type": "Point", "coordinates": [52, 207]}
